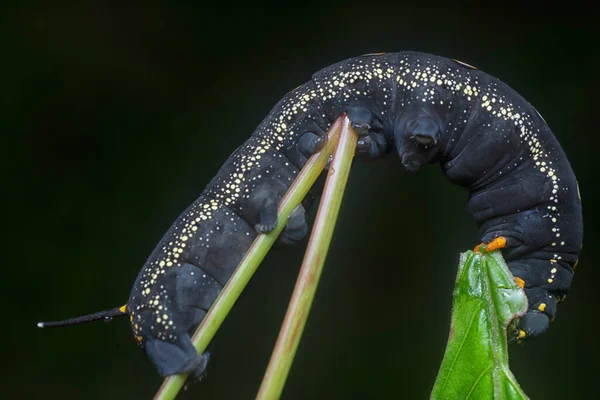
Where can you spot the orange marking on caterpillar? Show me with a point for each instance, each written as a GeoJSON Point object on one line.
{"type": "Point", "coordinates": [498, 243]}
{"type": "Point", "coordinates": [520, 282]}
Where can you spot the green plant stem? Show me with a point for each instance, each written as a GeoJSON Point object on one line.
{"type": "Point", "coordinates": [253, 257]}
{"type": "Point", "coordinates": [312, 266]}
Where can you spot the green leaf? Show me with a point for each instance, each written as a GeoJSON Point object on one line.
{"type": "Point", "coordinates": [486, 300]}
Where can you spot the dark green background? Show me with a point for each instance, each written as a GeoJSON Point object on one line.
{"type": "Point", "coordinates": [115, 117]}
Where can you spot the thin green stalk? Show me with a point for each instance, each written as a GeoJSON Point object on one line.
{"type": "Point", "coordinates": [253, 257]}
{"type": "Point", "coordinates": [312, 266]}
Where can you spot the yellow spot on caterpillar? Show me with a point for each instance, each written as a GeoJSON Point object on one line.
{"type": "Point", "coordinates": [138, 338]}
{"type": "Point", "coordinates": [123, 309]}
{"type": "Point", "coordinates": [542, 307]}
{"type": "Point", "coordinates": [522, 334]}
{"type": "Point", "coordinates": [550, 280]}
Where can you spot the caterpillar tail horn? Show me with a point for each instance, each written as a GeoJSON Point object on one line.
{"type": "Point", "coordinates": [105, 315]}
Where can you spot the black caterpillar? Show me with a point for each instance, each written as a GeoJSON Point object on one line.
{"type": "Point", "coordinates": [430, 109]}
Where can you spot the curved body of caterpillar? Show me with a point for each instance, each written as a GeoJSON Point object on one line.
{"type": "Point", "coordinates": [429, 109]}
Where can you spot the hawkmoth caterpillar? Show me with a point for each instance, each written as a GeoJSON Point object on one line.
{"type": "Point", "coordinates": [523, 194]}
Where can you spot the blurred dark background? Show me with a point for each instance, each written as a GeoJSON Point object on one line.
{"type": "Point", "coordinates": [115, 117]}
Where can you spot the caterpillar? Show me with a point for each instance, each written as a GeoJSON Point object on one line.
{"type": "Point", "coordinates": [523, 194]}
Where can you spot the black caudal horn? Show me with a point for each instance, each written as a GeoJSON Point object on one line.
{"type": "Point", "coordinates": [105, 315]}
